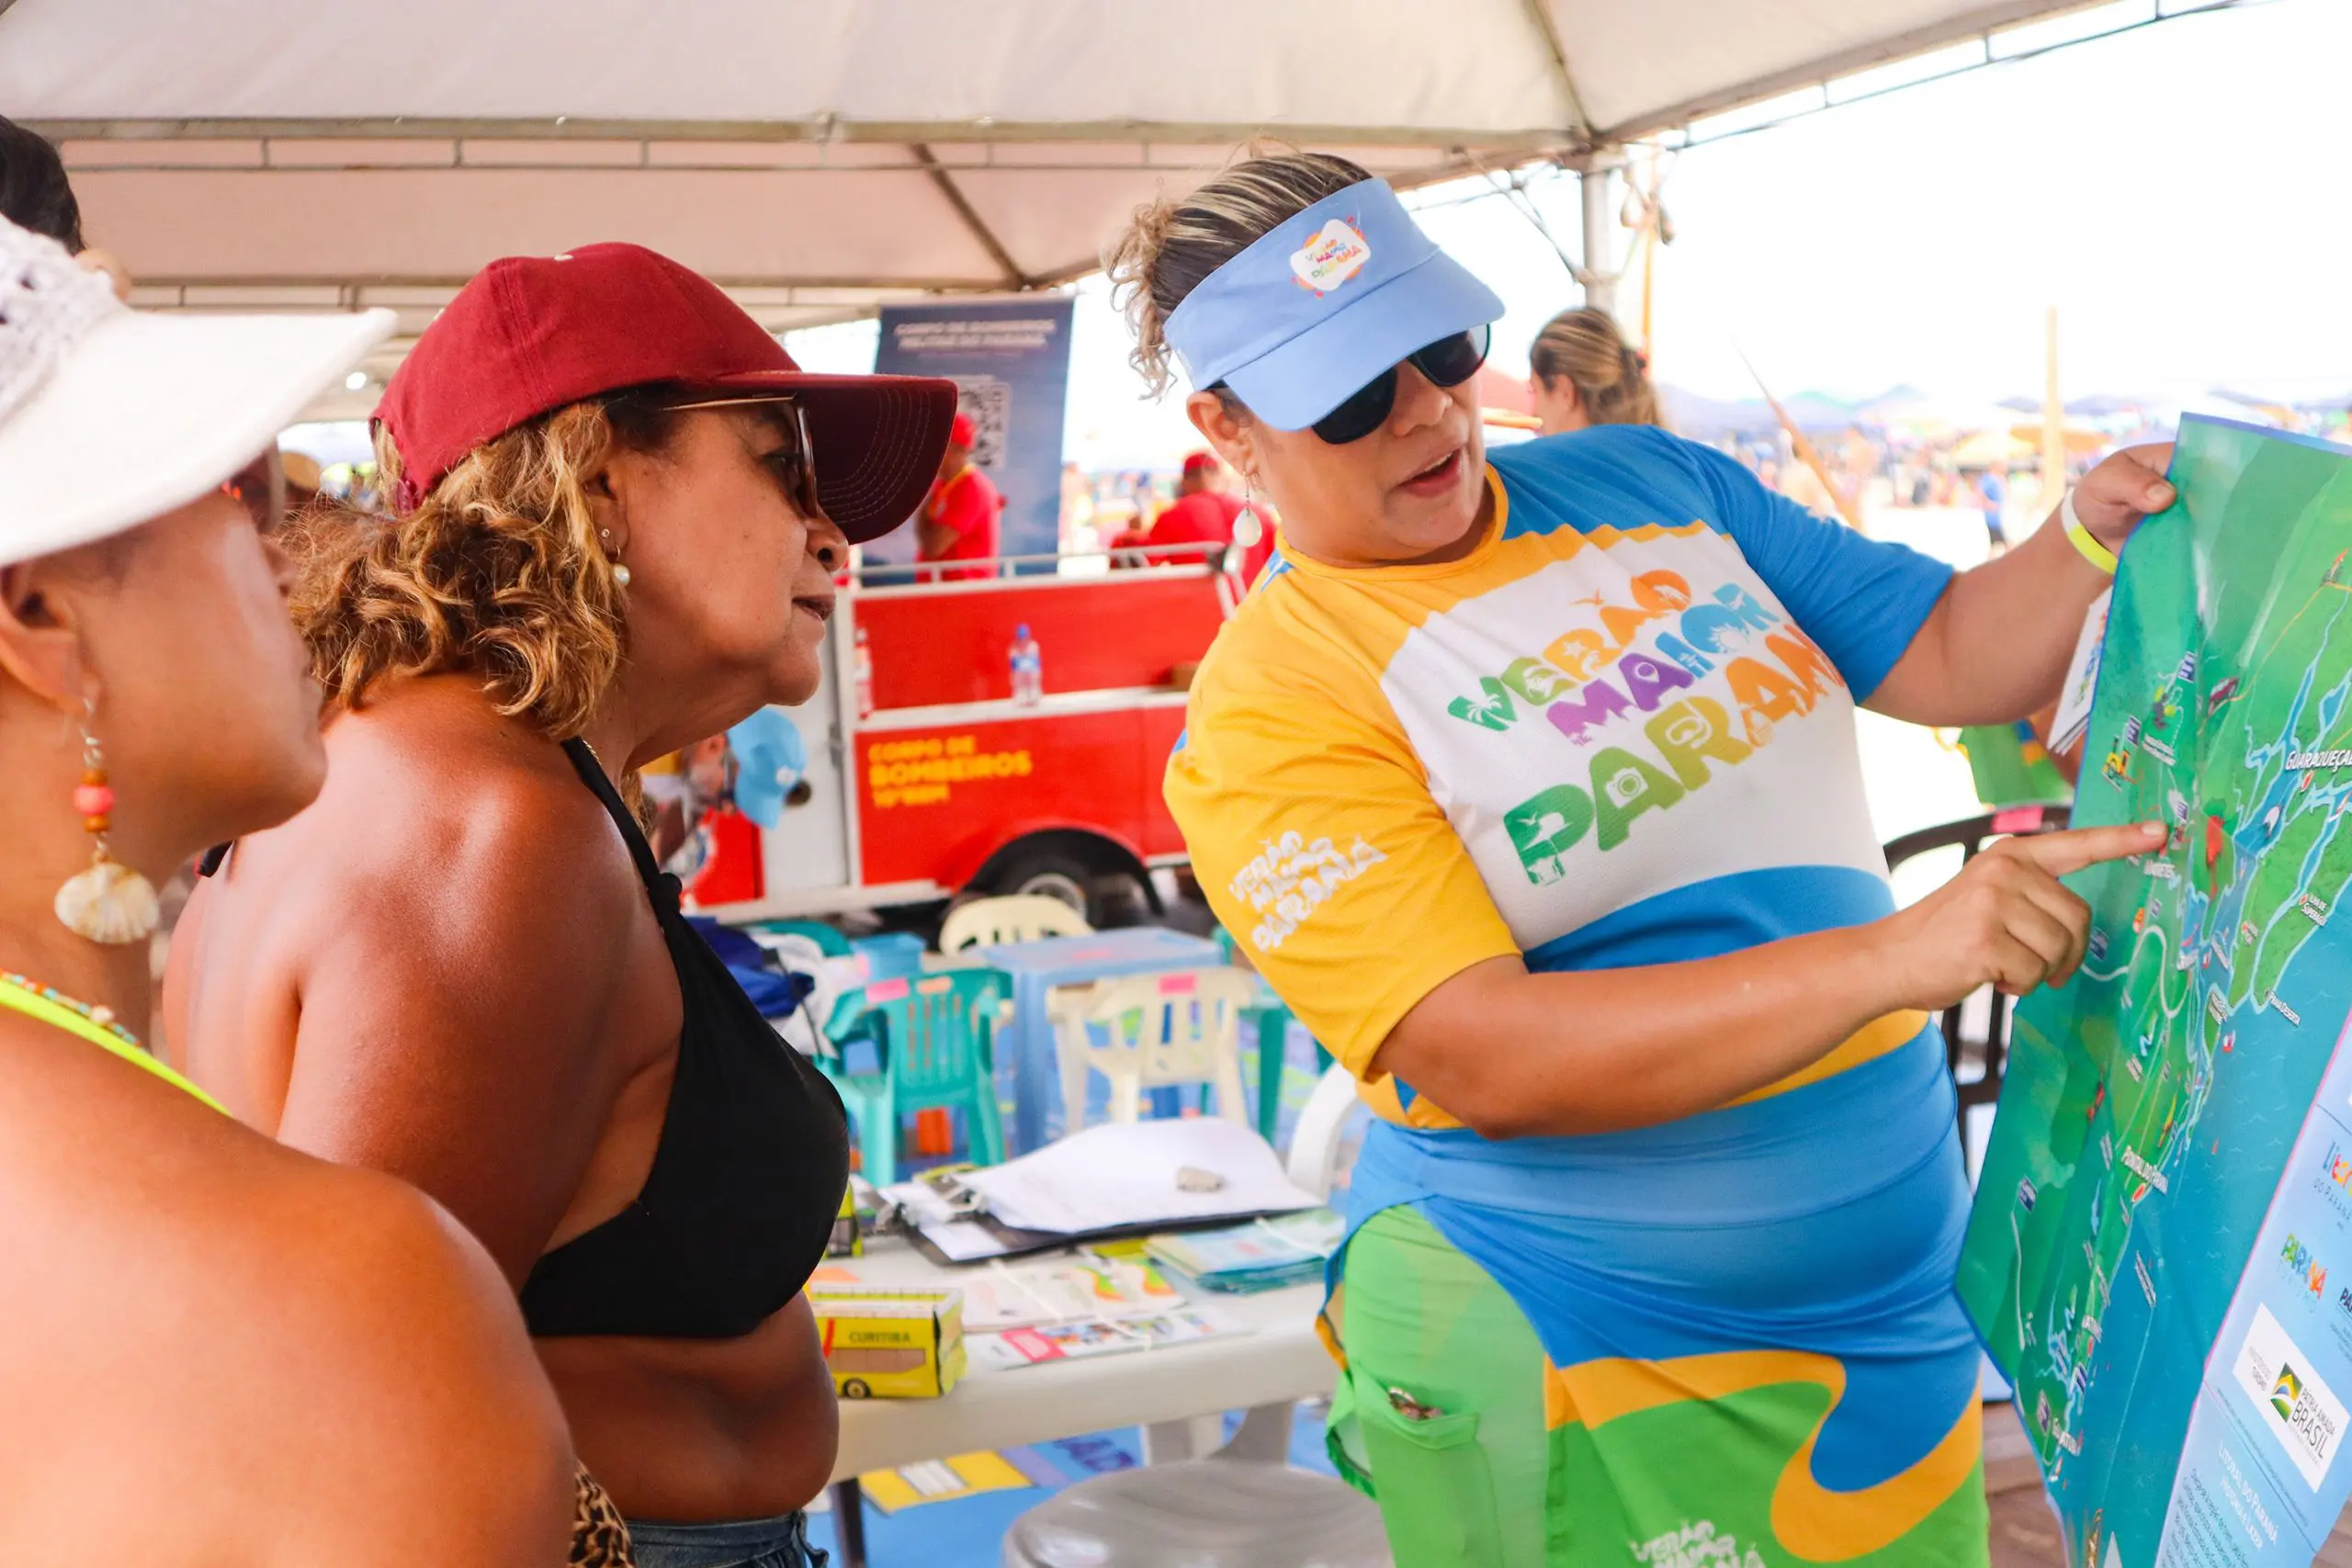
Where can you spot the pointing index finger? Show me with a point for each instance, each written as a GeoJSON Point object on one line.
{"type": "Point", "coordinates": [2059, 853]}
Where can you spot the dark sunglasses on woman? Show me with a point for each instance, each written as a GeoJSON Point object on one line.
{"type": "Point", "coordinates": [794, 463]}
{"type": "Point", "coordinates": [1448, 362]}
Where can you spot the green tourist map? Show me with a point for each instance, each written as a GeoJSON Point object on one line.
{"type": "Point", "coordinates": [2155, 1252]}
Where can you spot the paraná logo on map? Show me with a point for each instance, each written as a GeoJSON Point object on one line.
{"type": "Point", "coordinates": [2296, 1406]}
{"type": "Point", "coordinates": [1336, 252]}
{"type": "Point", "coordinates": [2302, 1268]}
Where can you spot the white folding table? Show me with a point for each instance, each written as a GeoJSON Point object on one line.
{"type": "Point", "coordinates": [1178, 1393]}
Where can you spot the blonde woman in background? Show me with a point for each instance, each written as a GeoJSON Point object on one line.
{"type": "Point", "coordinates": [1582, 372]}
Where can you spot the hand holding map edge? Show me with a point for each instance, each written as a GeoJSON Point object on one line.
{"type": "Point", "coordinates": [2006, 921]}
{"type": "Point", "coordinates": [2125, 489]}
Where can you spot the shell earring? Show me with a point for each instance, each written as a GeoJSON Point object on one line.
{"type": "Point", "coordinates": [108, 903]}
{"type": "Point", "coordinates": [1248, 528]}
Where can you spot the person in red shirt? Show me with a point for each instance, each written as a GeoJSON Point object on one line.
{"type": "Point", "coordinates": [1204, 512]}
{"type": "Point", "coordinates": [959, 518]}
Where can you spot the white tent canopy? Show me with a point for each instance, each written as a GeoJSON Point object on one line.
{"type": "Point", "coordinates": [818, 156]}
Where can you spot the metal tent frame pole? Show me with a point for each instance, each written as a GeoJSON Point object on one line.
{"type": "Point", "coordinates": [1595, 173]}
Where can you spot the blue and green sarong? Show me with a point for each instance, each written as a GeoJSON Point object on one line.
{"type": "Point", "coordinates": [1728, 1340]}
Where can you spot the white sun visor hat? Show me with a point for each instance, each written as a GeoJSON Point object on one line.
{"type": "Point", "coordinates": [110, 416]}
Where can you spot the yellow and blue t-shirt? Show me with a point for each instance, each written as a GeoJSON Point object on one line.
{"type": "Point", "coordinates": [1619, 732]}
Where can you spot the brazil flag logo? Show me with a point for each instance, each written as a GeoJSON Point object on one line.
{"type": "Point", "coordinates": [2286, 1390]}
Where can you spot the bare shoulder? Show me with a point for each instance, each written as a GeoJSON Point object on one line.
{"type": "Point", "coordinates": [435, 804]}
{"type": "Point", "coordinates": [452, 852]}
{"type": "Point", "coordinates": [319, 1365]}
{"type": "Point", "coordinates": [410, 1342]}
{"type": "Point", "coordinates": [444, 774]}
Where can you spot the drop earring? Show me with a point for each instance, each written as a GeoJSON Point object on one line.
{"type": "Point", "coordinates": [109, 902]}
{"type": "Point", "coordinates": [620, 569]}
{"type": "Point", "coordinates": [1250, 527]}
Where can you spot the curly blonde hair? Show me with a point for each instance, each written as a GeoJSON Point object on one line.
{"type": "Point", "coordinates": [1170, 246]}
{"type": "Point", "coordinates": [497, 572]}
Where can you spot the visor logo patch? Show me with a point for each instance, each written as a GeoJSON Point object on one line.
{"type": "Point", "coordinates": [1336, 252]}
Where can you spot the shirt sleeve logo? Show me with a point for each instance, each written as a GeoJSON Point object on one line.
{"type": "Point", "coordinates": [1337, 251]}
{"type": "Point", "coordinates": [1292, 878]}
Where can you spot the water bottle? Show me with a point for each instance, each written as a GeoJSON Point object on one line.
{"type": "Point", "coordinates": [864, 676]}
{"type": "Point", "coordinates": [1028, 668]}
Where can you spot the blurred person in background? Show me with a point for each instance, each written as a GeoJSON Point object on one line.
{"type": "Point", "coordinates": [463, 964]}
{"type": "Point", "coordinates": [1988, 491]}
{"type": "Point", "coordinates": [218, 1351]}
{"type": "Point", "coordinates": [1582, 372]}
{"type": "Point", "coordinates": [35, 195]}
{"type": "Point", "coordinates": [1205, 512]}
{"type": "Point", "coordinates": [1075, 518]}
{"type": "Point", "coordinates": [960, 520]}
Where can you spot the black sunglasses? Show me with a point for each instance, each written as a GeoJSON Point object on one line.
{"type": "Point", "coordinates": [794, 463]}
{"type": "Point", "coordinates": [1448, 362]}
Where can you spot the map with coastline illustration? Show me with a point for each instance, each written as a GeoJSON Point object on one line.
{"type": "Point", "coordinates": [2160, 1255]}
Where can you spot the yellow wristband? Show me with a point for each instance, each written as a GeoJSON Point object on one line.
{"type": "Point", "coordinates": [2089, 548]}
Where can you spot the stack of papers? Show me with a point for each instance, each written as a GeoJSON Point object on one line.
{"type": "Point", "coordinates": [1262, 1255]}
{"type": "Point", "coordinates": [2071, 718]}
{"type": "Point", "coordinates": [956, 1231]}
{"type": "Point", "coordinates": [1078, 1289]}
{"type": "Point", "coordinates": [1125, 1174]}
{"type": "Point", "coordinates": [1077, 1341]}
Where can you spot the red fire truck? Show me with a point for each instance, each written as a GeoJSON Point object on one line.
{"type": "Point", "coordinates": [927, 778]}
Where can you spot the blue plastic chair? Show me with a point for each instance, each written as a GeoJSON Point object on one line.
{"type": "Point", "coordinates": [933, 1039]}
{"type": "Point", "coordinates": [890, 953]}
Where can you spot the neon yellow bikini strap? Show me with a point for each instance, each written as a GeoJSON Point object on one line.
{"type": "Point", "coordinates": [72, 1023]}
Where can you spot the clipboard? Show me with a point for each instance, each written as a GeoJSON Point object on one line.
{"type": "Point", "coordinates": [1013, 1243]}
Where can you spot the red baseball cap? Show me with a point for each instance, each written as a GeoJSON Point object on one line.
{"type": "Point", "coordinates": [531, 333]}
{"type": "Point", "coordinates": [1202, 462]}
{"type": "Point", "coordinates": [964, 433]}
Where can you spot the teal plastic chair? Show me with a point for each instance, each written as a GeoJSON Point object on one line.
{"type": "Point", "coordinates": [933, 1041]}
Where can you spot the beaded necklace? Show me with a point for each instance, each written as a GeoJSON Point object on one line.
{"type": "Point", "coordinates": [95, 1024]}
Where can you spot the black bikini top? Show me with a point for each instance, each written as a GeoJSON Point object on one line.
{"type": "Point", "coordinates": [747, 1179]}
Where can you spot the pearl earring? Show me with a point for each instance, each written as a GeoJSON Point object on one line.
{"type": "Point", "coordinates": [109, 902]}
{"type": "Point", "coordinates": [620, 569]}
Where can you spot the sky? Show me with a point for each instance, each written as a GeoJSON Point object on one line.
{"type": "Point", "coordinates": [2178, 193]}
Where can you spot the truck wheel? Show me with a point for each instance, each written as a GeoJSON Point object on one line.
{"type": "Point", "coordinates": [1064, 879]}
{"type": "Point", "coordinates": [855, 1388]}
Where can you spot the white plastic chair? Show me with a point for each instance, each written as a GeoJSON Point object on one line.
{"type": "Point", "coordinates": [1178, 1028]}
{"type": "Point", "coordinates": [1315, 1141]}
{"type": "Point", "coordinates": [1221, 1512]}
{"type": "Point", "coordinates": [986, 923]}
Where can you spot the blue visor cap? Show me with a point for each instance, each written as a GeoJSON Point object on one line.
{"type": "Point", "coordinates": [1316, 307]}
